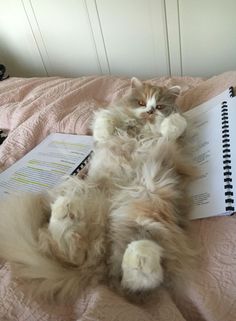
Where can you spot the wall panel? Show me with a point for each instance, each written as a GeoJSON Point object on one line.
{"type": "Point", "coordinates": [66, 41]}
{"type": "Point", "coordinates": [207, 31]}
{"type": "Point", "coordinates": [135, 37]}
{"type": "Point", "coordinates": [146, 38]}
{"type": "Point", "coordinates": [18, 48]}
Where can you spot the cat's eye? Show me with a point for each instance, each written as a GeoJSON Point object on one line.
{"type": "Point", "coordinates": [160, 106]}
{"type": "Point", "coordinates": [141, 103]}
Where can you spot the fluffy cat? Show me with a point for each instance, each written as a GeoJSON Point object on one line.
{"type": "Point", "coordinates": [124, 224]}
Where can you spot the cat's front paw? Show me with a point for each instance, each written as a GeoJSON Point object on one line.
{"type": "Point", "coordinates": [141, 266]}
{"type": "Point", "coordinates": [104, 126]}
{"type": "Point", "coordinates": [173, 126]}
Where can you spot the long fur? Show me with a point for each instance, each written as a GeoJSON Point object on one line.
{"type": "Point", "coordinates": [28, 246]}
{"type": "Point", "coordinates": [124, 224]}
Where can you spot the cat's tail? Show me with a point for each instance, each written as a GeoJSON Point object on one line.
{"type": "Point", "coordinates": [44, 277]}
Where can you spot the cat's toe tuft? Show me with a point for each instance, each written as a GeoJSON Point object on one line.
{"type": "Point", "coordinates": [141, 266]}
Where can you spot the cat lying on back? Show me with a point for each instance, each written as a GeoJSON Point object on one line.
{"type": "Point", "coordinates": [124, 224]}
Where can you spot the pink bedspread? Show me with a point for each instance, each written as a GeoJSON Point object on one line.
{"type": "Point", "coordinates": [31, 109]}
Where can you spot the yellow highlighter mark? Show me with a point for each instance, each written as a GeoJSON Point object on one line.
{"type": "Point", "coordinates": [26, 181]}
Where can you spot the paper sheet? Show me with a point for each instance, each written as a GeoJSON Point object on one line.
{"type": "Point", "coordinates": [44, 166]}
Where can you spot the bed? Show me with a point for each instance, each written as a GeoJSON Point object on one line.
{"type": "Point", "coordinates": [30, 109]}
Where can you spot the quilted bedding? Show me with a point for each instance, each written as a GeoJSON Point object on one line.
{"type": "Point", "coordinates": [32, 108]}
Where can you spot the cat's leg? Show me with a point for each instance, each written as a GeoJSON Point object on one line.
{"type": "Point", "coordinates": [103, 126]}
{"type": "Point", "coordinates": [173, 126]}
{"type": "Point", "coordinates": [65, 215]}
{"type": "Point", "coordinates": [141, 266]}
{"type": "Point", "coordinates": [63, 230]}
{"type": "Point", "coordinates": [61, 218]}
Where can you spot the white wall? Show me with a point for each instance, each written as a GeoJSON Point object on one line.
{"type": "Point", "coordinates": [135, 36]}
{"type": "Point", "coordinates": [208, 42]}
{"type": "Point", "coordinates": [146, 38]}
{"type": "Point", "coordinates": [18, 48]}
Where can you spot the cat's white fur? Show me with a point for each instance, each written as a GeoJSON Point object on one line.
{"type": "Point", "coordinates": [141, 266]}
{"type": "Point", "coordinates": [173, 126]}
{"type": "Point", "coordinates": [124, 221]}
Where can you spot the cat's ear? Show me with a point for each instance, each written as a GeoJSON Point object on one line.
{"type": "Point", "coordinates": [175, 90]}
{"type": "Point", "coordinates": [172, 93]}
{"type": "Point", "coordinates": [136, 83]}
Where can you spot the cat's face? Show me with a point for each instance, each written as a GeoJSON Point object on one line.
{"type": "Point", "coordinates": [146, 98]}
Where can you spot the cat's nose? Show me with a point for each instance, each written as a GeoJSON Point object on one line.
{"type": "Point", "coordinates": [151, 111]}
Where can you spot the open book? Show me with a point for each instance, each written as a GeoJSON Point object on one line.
{"type": "Point", "coordinates": [58, 155]}
{"type": "Point", "coordinates": [215, 126]}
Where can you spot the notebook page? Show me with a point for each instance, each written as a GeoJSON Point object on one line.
{"type": "Point", "coordinates": [208, 190]}
{"type": "Point", "coordinates": [44, 166]}
{"type": "Point", "coordinates": [232, 129]}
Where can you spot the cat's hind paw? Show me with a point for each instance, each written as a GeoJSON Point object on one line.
{"type": "Point", "coordinates": [61, 218]}
{"type": "Point", "coordinates": [141, 266]}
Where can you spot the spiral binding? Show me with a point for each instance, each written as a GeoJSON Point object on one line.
{"type": "Point", "coordinates": [82, 165]}
{"type": "Point", "coordinates": [231, 92]}
{"type": "Point", "coordinates": [229, 201]}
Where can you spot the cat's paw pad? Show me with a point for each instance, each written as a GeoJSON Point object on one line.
{"type": "Point", "coordinates": [141, 266]}
{"type": "Point", "coordinates": [173, 126]}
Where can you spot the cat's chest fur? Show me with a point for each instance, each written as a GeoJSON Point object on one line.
{"type": "Point", "coordinates": [171, 126]}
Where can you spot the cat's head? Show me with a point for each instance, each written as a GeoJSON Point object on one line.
{"type": "Point", "coordinates": [147, 98]}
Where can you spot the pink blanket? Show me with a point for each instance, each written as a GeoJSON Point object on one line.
{"type": "Point", "coordinates": [32, 108]}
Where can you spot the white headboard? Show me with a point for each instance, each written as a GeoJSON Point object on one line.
{"type": "Point", "coordinates": [146, 38]}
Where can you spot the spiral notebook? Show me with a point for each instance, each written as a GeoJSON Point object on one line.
{"type": "Point", "coordinates": [214, 124]}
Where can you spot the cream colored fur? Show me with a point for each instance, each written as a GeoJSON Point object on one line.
{"type": "Point", "coordinates": [141, 266]}
{"type": "Point", "coordinates": [124, 224]}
